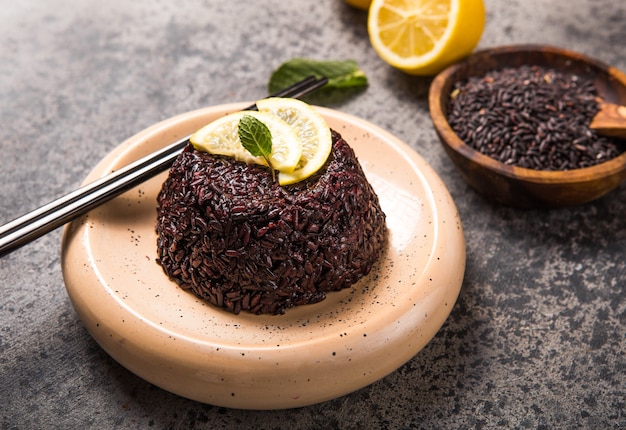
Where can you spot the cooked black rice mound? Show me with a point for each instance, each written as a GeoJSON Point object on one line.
{"type": "Point", "coordinates": [228, 232]}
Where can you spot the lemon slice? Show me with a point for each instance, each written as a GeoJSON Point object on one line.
{"type": "Point", "coordinates": [312, 130]}
{"type": "Point", "coordinates": [422, 37]}
{"type": "Point", "coordinates": [221, 137]}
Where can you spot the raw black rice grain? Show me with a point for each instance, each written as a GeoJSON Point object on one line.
{"type": "Point", "coordinates": [531, 116]}
{"type": "Point", "coordinates": [233, 236]}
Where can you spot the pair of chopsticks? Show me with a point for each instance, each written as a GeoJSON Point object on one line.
{"type": "Point", "coordinates": [35, 224]}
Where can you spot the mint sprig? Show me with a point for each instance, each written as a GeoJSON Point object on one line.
{"type": "Point", "coordinates": [340, 74]}
{"type": "Point", "coordinates": [256, 138]}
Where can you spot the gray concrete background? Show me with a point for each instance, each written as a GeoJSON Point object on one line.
{"type": "Point", "coordinates": [538, 336]}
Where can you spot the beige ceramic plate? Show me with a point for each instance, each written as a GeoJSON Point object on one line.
{"type": "Point", "coordinates": [312, 353]}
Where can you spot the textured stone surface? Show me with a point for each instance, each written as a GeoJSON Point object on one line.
{"type": "Point", "coordinates": [538, 336]}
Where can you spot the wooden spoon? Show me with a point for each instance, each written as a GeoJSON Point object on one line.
{"type": "Point", "coordinates": [610, 120]}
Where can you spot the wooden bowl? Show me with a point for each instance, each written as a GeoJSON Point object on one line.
{"type": "Point", "coordinates": [517, 186]}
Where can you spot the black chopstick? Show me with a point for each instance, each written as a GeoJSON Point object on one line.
{"type": "Point", "coordinates": [32, 225]}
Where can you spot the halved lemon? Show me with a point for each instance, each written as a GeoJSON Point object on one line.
{"type": "Point", "coordinates": [312, 130]}
{"type": "Point", "coordinates": [422, 37]}
{"type": "Point", "coordinates": [222, 137]}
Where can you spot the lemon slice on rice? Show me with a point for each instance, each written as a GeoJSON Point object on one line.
{"type": "Point", "coordinates": [221, 137]}
{"type": "Point", "coordinates": [301, 138]}
{"type": "Point", "coordinates": [312, 130]}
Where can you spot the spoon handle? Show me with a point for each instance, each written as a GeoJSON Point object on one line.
{"type": "Point", "coordinates": [610, 120]}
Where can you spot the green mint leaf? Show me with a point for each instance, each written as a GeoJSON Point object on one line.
{"type": "Point", "coordinates": [340, 74]}
{"type": "Point", "coordinates": [255, 137]}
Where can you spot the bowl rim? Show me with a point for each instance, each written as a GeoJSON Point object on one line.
{"type": "Point", "coordinates": [451, 140]}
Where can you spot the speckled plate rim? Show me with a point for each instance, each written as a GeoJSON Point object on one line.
{"type": "Point", "coordinates": [312, 353]}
